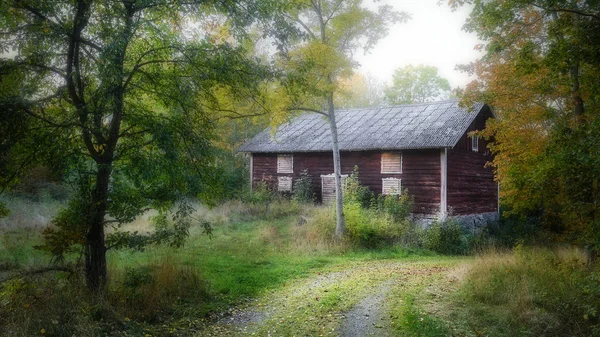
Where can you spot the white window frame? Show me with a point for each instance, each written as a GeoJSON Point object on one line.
{"type": "Point", "coordinates": [288, 182]}
{"type": "Point", "coordinates": [401, 160]}
{"type": "Point", "coordinates": [280, 168]}
{"type": "Point", "coordinates": [475, 143]}
{"type": "Point", "coordinates": [399, 182]}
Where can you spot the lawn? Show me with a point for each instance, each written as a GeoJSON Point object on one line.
{"type": "Point", "coordinates": [268, 275]}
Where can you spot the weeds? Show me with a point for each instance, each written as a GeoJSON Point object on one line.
{"type": "Point", "coordinates": [152, 291]}
{"type": "Point", "coordinates": [533, 291]}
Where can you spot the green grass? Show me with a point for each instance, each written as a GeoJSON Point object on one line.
{"type": "Point", "coordinates": [241, 261]}
{"type": "Point", "coordinates": [248, 255]}
{"type": "Point", "coordinates": [254, 259]}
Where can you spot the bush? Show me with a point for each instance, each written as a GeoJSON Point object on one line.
{"type": "Point", "coordinates": [368, 228]}
{"type": "Point", "coordinates": [446, 238]}
{"type": "Point", "coordinates": [375, 221]}
{"type": "Point", "coordinates": [355, 192]}
{"type": "Point", "coordinates": [303, 190]}
{"type": "Point", "coordinates": [398, 207]}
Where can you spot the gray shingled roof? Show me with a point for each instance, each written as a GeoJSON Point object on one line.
{"type": "Point", "coordinates": [415, 126]}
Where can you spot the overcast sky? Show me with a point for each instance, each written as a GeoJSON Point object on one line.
{"type": "Point", "coordinates": [433, 36]}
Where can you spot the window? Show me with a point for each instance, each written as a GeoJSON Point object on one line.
{"type": "Point", "coordinates": [391, 162]}
{"type": "Point", "coordinates": [285, 163]}
{"type": "Point", "coordinates": [284, 184]}
{"type": "Point", "coordinates": [391, 186]}
{"type": "Point", "coordinates": [475, 143]}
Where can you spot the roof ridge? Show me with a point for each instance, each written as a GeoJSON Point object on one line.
{"type": "Point", "coordinates": [400, 105]}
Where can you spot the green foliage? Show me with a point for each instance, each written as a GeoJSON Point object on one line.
{"type": "Point", "coordinates": [303, 189]}
{"type": "Point", "coordinates": [59, 305]}
{"type": "Point", "coordinates": [373, 222]}
{"type": "Point", "coordinates": [446, 238]}
{"type": "Point", "coordinates": [414, 321]}
{"type": "Point", "coordinates": [546, 100]}
{"type": "Point", "coordinates": [533, 291]}
{"type": "Point", "coordinates": [355, 192]}
{"type": "Point", "coordinates": [417, 85]}
{"type": "Point", "coordinates": [263, 192]}
{"type": "Point", "coordinates": [118, 98]}
{"type": "Point", "coordinates": [368, 228]}
{"type": "Point", "coordinates": [399, 207]}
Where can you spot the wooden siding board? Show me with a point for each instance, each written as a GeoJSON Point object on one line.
{"type": "Point", "coordinates": [420, 172]}
{"type": "Point", "coordinates": [471, 185]}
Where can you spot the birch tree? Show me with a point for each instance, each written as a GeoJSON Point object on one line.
{"type": "Point", "coordinates": [332, 32]}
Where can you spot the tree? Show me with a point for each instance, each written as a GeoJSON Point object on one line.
{"type": "Point", "coordinates": [121, 98]}
{"type": "Point", "coordinates": [358, 91]}
{"type": "Point", "coordinates": [540, 73]}
{"type": "Point", "coordinates": [417, 85]}
{"type": "Point", "coordinates": [332, 31]}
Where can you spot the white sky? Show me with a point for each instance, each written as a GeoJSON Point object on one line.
{"type": "Point", "coordinates": [433, 36]}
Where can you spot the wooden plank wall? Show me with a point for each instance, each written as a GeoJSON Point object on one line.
{"type": "Point", "coordinates": [420, 172]}
{"type": "Point", "coordinates": [471, 185]}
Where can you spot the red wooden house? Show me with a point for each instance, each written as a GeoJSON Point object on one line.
{"type": "Point", "coordinates": [424, 148]}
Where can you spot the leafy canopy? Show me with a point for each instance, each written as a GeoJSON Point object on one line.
{"type": "Point", "coordinates": [540, 72]}
{"type": "Point", "coordinates": [120, 96]}
{"type": "Point", "coordinates": [417, 84]}
{"type": "Point", "coordinates": [320, 62]}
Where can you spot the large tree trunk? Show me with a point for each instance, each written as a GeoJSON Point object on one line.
{"type": "Point", "coordinates": [95, 252]}
{"type": "Point", "coordinates": [340, 225]}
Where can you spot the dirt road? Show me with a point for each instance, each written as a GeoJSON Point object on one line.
{"type": "Point", "coordinates": [361, 299]}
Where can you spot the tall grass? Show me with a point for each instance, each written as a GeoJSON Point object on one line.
{"type": "Point", "coordinates": [28, 213]}
{"type": "Point", "coordinates": [252, 250]}
{"type": "Point", "coordinates": [533, 291]}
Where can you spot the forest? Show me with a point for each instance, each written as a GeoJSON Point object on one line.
{"type": "Point", "coordinates": [127, 209]}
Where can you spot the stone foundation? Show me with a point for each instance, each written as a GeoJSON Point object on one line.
{"type": "Point", "coordinates": [470, 221]}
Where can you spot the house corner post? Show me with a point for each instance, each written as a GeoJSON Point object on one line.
{"type": "Point", "coordinates": [444, 184]}
{"type": "Point", "coordinates": [251, 170]}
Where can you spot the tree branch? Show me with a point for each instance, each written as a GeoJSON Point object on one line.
{"type": "Point", "coordinates": [566, 10]}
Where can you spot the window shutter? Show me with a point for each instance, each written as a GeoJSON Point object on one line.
{"type": "Point", "coordinates": [328, 186]}
{"type": "Point", "coordinates": [391, 162]}
{"type": "Point", "coordinates": [391, 186]}
{"type": "Point", "coordinates": [285, 163]}
{"type": "Point", "coordinates": [284, 184]}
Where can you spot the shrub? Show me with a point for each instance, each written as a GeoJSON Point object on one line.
{"type": "Point", "coordinates": [367, 228]}
{"type": "Point", "coordinates": [303, 190]}
{"type": "Point", "coordinates": [398, 207]}
{"type": "Point", "coordinates": [262, 192]}
{"type": "Point", "coordinates": [355, 192]}
{"type": "Point", "coordinates": [446, 238]}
